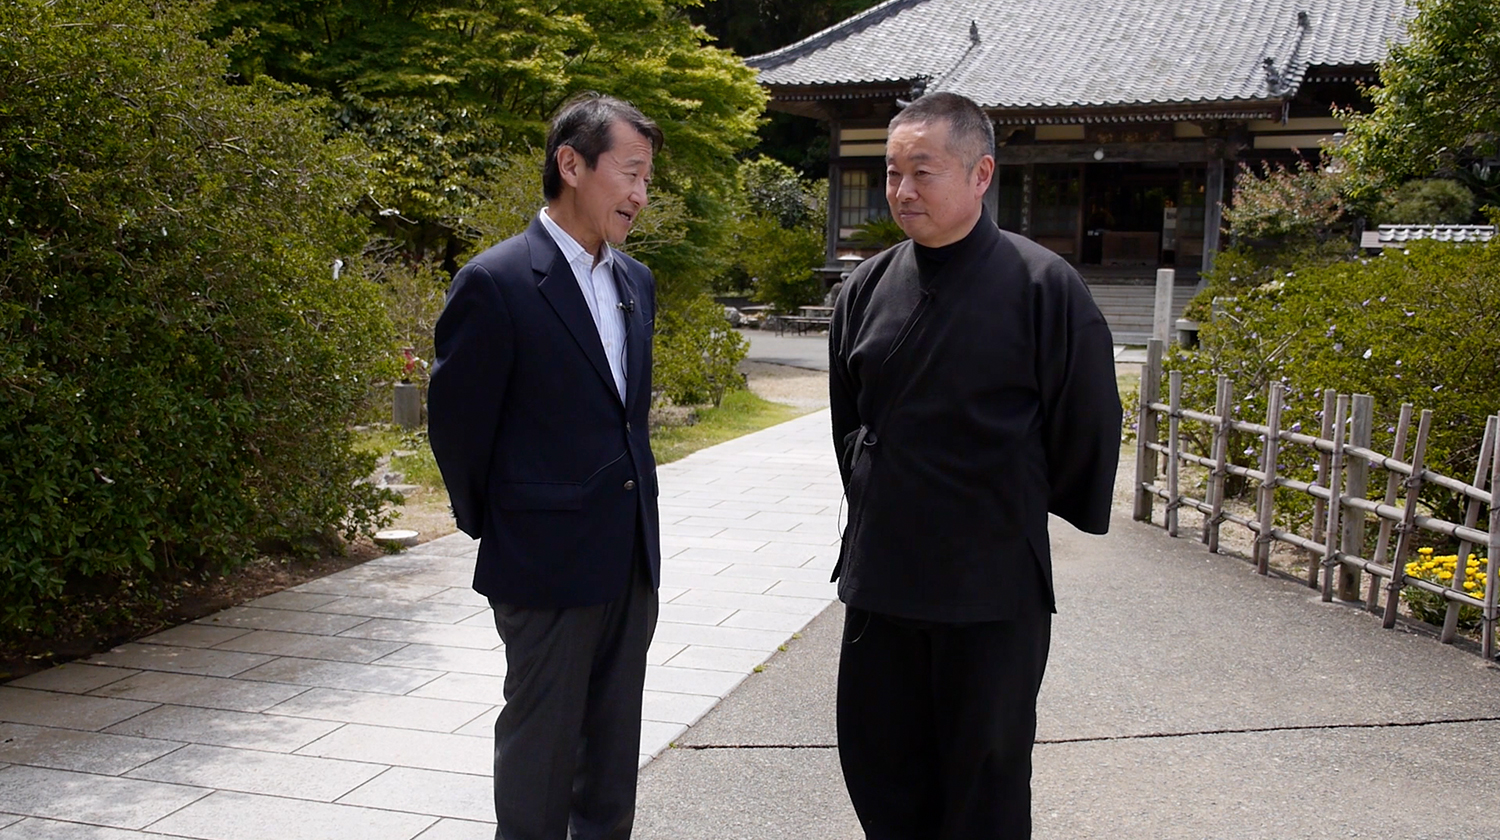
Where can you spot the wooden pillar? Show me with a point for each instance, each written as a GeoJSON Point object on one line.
{"type": "Point", "coordinates": [1028, 187]}
{"type": "Point", "coordinates": [835, 195]}
{"type": "Point", "coordinates": [1080, 219]}
{"type": "Point", "coordinates": [1213, 200]}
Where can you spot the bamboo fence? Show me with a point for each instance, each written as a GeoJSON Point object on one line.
{"type": "Point", "coordinates": [1343, 511]}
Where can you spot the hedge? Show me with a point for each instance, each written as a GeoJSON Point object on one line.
{"type": "Point", "coordinates": [178, 363]}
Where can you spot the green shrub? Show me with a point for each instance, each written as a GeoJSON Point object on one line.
{"type": "Point", "coordinates": [781, 262]}
{"type": "Point", "coordinates": [1286, 205]}
{"type": "Point", "coordinates": [776, 237]}
{"type": "Point", "coordinates": [881, 233]}
{"type": "Point", "coordinates": [1434, 201]}
{"type": "Point", "coordinates": [695, 353]}
{"type": "Point", "coordinates": [177, 362]}
{"type": "Point", "coordinates": [1421, 327]}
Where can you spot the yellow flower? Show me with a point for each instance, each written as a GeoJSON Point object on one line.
{"type": "Point", "coordinates": [1445, 575]}
{"type": "Point", "coordinates": [1424, 551]}
{"type": "Point", "coordinates": [1469, 584]}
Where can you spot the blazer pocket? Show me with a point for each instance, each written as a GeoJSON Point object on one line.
{"type": "Point", "coordinates": [540, 495]}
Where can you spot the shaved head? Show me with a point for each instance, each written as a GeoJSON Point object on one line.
{"type": "Point", "coordinates": [971, 135]}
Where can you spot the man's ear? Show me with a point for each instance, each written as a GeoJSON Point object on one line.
{"type": "Point", "coordinates": [569, 161]}
{"type": "Point", "coordinates": [985, 170]}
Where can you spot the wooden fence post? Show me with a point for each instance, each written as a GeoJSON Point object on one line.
{"type": "Point", "coordinates": [1222, 407]}
{"type": "Point", "coordinates": [1320, 509]}
{"type": "Point", "coordinates": [1471, 519]}
{"type": "Point", "coordinates": [1408, 529]}
{"type": "Point", "coordinates": [1174, 426]}
{"type": "Point", "coordinates": [1267, 502]}
{"type": "Point", "coordinates": [1161, 320]}
{"type": "Point", "coordinates": [1492, 567]}
{"type": "Point", "coordinates": [1336, 502]}
{"type": "Point", "coordinates": [1392, 485]}
{"type": "Point", "coordinates": [1145, 430]}
{"type": "Point", "coordinates": [1357, 470]}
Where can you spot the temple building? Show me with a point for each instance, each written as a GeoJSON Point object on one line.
{"type": "Point", "coordinates": [1119, 123]}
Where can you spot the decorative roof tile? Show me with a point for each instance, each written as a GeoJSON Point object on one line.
{"type": "Point", "coordinates": [1070, 53]}
{"type": "Point", "coordinates": [1391, 236]}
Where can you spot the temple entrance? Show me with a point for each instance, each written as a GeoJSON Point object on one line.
{"type": "Point", "coordinates": [1114, 218]}
{"type": "Point", "coordinates": [1142, 214]}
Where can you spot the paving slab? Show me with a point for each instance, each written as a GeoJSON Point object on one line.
{"type": "Point", "coordinates": [67, 711]}
{"type": "Point", "coordinates": [253, 771]}
{"type": "Point", "coordinates": [225, 815]}
{"type": "Point", "coordinates": [433, 792]}
{"type": "Point", "coordinates": [442, 658]}
{"type": "Point", "coordinates": [193, 690]}
{"type": "Point", "coordinates": [35, 828]}
{"type": "Point", "coordinates": [307, 646]}
{"type": "Point", "coordinates": [195, 635]}
{"type": "Point", "coordinates": [73, 678]}
{"type": "Point", "coordinates": [90, 798]}
{"type": "Point", "coordinates": [291, 621]}
{"type": "Point", "coordinates": [443, 751]}
{"type": "Point", "coordinates": [421, 610]}
{"type": "Point", "coordinates": [71, 749]}
{"type": "Point", "coordinates": [459, 830]}
{"type": "Point", "coordinates": [222, 728]}
{"type": "Point", "coordinates": [474, 688]}
{"type": "Point", "coordinates": [381, 709]}
{"type": "Point", "coordinates": [424, 632]}
{"type": "Point", "coordinates": [380, 679]}
{"type": "Point", "coordinates": [178, 660]}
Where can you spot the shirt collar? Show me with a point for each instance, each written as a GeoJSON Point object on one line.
{"type": "Point", "coordinates": [572, 251]}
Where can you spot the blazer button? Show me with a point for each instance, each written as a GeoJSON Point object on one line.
{"type": "Point", "coordinates": [630, 485]}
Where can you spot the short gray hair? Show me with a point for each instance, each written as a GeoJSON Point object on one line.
{"type": "Point", "coordinates": [584, 122]}
{"type": "Point", "coordinates": [971, 135]}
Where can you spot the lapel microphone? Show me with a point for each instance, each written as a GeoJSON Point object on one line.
{"type": "Point", "coordinates": [626, 306]}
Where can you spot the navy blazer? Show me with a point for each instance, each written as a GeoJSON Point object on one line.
{"type": "Point", "coordinates": [544, 463]}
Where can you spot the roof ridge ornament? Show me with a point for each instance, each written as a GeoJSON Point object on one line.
{"type": "Point", "coordinates": [918, 88]}
{"type": "Point", "coordinates": [1279, 79]}
{"type": "Point", "coordinates": [973, 31]}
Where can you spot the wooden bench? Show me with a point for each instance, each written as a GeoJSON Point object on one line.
{"type": "Point", "coordinates": [802, 323]}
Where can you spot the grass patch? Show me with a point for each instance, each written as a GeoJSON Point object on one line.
{"type": "Point", "coordinates": [426, 510]}
{"type": "Point", "coordinates": [740, 413]}
{"type": "Point", "coordinates": [410, 454]}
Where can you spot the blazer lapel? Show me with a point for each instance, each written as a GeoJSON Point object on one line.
{"type": "Point", "coordinates": [560, 287]}
{"type": "Point", "coordinates": [636, 334]}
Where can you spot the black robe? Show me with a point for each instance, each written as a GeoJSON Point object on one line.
{"type": "Point", "coordinates": [969, 399]}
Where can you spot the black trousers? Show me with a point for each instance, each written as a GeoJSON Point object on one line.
{"type": "Point", "coordinates": [568, 740]}
{"type": "Point", "coordinates": [936, 724]}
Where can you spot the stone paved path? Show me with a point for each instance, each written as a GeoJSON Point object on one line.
{"type": "Point", "coordinates": [361, 705]}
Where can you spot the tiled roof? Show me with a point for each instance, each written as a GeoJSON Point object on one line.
{"type": "Point", "coordinates": [1396, 235]}
{"type": "Point", "coordinates": [1067, 53]}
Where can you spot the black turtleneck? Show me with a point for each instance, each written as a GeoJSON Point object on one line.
{"type": "Point", "coordinates": [931, 260]}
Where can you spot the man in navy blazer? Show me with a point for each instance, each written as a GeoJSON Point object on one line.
{"type": "Point", "coordinates": [538, 417]}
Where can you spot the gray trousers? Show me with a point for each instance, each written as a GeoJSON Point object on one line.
{"type": "Point", "coordinates": [567, 741]}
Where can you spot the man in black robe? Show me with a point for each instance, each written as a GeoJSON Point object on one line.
{"type": "Point", "coordinates": [973, 391]}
